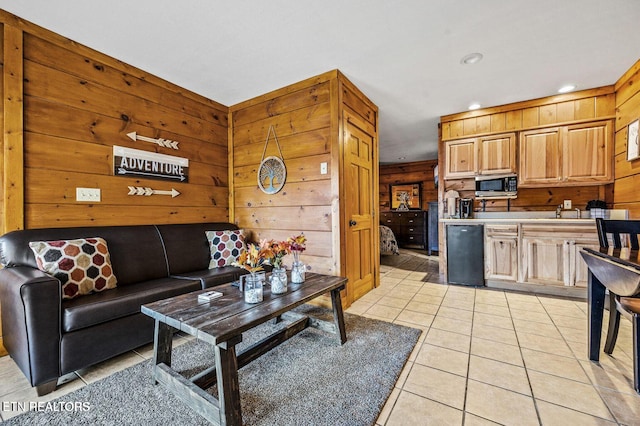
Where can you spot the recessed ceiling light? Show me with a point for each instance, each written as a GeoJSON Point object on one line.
{"type": "Point", "coordinates": [402, 158]}
{"type": "Point", "coordinates": [567, 88]}
{"type": "Point", "coordinates": [474, 105]}
{"type": "Point", "coordinates": [471, 58]}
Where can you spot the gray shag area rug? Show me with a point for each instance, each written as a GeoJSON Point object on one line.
{"type": "Point", "coordinates": [308, 380]}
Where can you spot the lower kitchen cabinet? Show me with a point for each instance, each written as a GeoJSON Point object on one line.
{"type": "Point", "coordinates": [534, 255]}
{"type": "Point", "coordinates": [551, 254]}
{"type": "Point", "coordinates": [501, 252]}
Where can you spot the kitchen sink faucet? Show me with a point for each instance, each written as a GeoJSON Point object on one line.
{"type": "Point", "coordinates": [558, 211]}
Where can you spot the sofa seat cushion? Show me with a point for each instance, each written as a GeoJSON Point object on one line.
{"type": "Point", "coordinates": [213, 277]}
{"type": "Point", "coordinates": [120, 302]}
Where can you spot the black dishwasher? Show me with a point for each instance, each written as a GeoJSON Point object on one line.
{"type": "Point", "coordinates": [465, 254]}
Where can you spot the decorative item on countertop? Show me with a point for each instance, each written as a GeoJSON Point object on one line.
{"type": "Point", "coordinates": [276, 253]}
{"type": "Point", "coordinates": [297, 245]}
{"type": "Point", "coordinates": [272, 172]}
{"type": "Point", "coordinates": [252, 260]}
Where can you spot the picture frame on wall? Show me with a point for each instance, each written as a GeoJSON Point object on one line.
{"type": "Point", "coordinates": [633, 151]}
{"type": "Point", "coordinates": [406, 196]}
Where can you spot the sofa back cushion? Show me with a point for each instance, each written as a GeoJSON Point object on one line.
{"type": "Point", "coordinates": [136, 251]}
{"type": "Point", "coordinates": [83, 265]}
{"type": "Point", "coordinates": [186, 245]}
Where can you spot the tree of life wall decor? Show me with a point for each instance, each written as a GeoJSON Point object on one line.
{"type": "Point", "coordinates": [272, 172]}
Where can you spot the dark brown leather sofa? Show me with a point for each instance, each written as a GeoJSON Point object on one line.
{"type": "Point", "coordinates": [49, 337]}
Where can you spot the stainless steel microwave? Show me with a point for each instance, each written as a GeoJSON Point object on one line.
{"type": "Point", "coordinates": [497, 186]}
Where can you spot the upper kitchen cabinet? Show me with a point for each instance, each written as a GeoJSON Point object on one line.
{"type": "Point", "coordinates": [539, 157]}
{"type": "Point", "coordinates": [580, 154]}
{"type": "Point", "coordinates": [486, 155]}
{"type": "Point", "coordinates": [461, 158]}
{"type": "Point", "coordinates": [497, 154]}
{"type": "Point", "coordinates": [587, 153]}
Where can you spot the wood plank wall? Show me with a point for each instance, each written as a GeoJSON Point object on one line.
{"type": "Point", "coordinates": [627, 173]}
{"type": "Point", "coordinates": [65, 106]}
{"type": "Point", "coordinates": [78, 104]}
{"type": "Point", "coordinates": [413, 172]}
{"type": "Point", "coordinates": [571, 108]}
{"type": "Point", "coordinates": [301, 117]}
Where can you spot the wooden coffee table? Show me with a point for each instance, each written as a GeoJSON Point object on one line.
{"type": "Point", "coordinates": [221, 323]}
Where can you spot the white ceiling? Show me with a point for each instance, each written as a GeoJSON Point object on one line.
{"type": "Point", "coordinates": [405, 55]}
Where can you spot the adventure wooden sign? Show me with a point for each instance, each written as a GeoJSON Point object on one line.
{"type": "Point", "coordinates": [134, 162]}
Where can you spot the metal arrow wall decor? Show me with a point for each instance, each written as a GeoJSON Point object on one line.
{"type": "Point", "coordinates": [146, 191]}
{"type": "Point", "coordinates": [159, 141]}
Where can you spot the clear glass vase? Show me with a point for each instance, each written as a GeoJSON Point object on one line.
{"type": "Point", "coordinates": [253, 284]}
{"type": "Point", "coordinates": [297, 272]}
{"type": "Point", "coordinates": [278, 280]}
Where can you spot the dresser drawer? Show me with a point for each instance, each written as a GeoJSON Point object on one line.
{"type": "Point", "coordinates": [409, 227]}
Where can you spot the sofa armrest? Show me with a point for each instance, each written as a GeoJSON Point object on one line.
{"type": "Point", "coordinates": [31, 303]}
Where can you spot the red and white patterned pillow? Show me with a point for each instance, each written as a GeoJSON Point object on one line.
{"type": "Point", "coordinates": [225, 247]}
{"type": "Point", "coordinates": [83, 266]}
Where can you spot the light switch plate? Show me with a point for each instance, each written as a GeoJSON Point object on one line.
{"type": "Point", "coordinates": [323, 168]}
{"type": "Point", "coordinates": [567, 204]}
{"type": "Point", "coordinates": [88, 194]}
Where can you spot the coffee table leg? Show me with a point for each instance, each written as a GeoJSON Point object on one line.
{"type": "Point", "coordinates": [162, 344]}
{"type": "Point", "coordinates": [228, 386]}
{"type": "Point", "coordinates": [338, 315]}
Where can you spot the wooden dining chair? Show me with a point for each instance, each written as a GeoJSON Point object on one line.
{"type": "Point", "coordinates": [623, 233]}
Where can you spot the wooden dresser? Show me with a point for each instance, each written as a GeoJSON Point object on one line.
{"type": "Point", "coordinates": [409, 227]}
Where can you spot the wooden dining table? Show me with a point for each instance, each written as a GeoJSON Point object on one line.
{"type": "Point", "coordinates": [617, 270]}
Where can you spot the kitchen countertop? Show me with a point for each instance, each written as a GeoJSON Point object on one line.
{"type": "Point", "coordinates": [543, 217]}
{"type": "Point", "coordinates": [561, 221]}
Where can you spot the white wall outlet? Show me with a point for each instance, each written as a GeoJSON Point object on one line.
{"type": "Point", "coordinates": [567, 204]}
{"type": "Point", "coordinates": [88, 194]}
{"type": "Point", "coordinates": [323, 168]}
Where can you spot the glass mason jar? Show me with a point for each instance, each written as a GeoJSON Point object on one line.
{"type": "Point", "coordinates": [297, 272]}
{"type": "Point", "coordinates": [253, 284]}
{"type": "Point", "coordinates": [278, 280]}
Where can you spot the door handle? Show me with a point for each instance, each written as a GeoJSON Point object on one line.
{"type": "Point", "coordinates": [352, 222]}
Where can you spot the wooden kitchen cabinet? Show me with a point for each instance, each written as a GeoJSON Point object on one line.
{"type": "Point", "coordinates": [461, 158]}
{"type": "Point", "coordinates": [551, 253]}
{"type": "Point", "coordinates": [566, 155]}
{"type": "Point", "coordinates": [587, 153]}
{"type": "Point", "coordinates": [497, 154]}
{"type": "Point", "coordinates": [539, 158]}
{"type": "Point", "coordinates": [501, 252]}
{"type": "Point", "coordinates": [466, 158]}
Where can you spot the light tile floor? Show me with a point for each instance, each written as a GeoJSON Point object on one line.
{"type": "Point", "coordinates": [485, 357]}
{"type": "Point", "coordinates": [495, 357]}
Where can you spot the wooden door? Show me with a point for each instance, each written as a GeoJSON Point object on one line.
{"type": "Point", "coordinates": [587, 153]}
{"type": "Point", "coordinates": [461, 158]}
{"type": "Point", "coordinates": [540, 159]}
{"type": "Point", "coordinates": [360, 235]}
{"type": "Point", "coordinates": [497, 154]}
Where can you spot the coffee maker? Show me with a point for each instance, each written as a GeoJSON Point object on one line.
{"type": "Point", "coordinates": [466, 208]}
